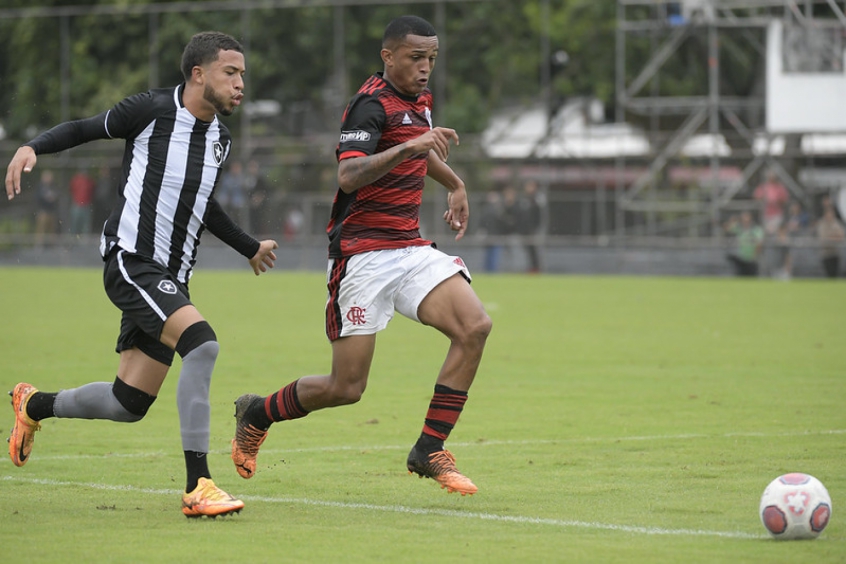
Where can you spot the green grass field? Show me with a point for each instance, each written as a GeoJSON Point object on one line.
{"type": "Point", "coordinates": [630, 420]}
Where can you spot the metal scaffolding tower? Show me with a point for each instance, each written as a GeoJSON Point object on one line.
{"type": "Point", "coordinates": [662, 29]}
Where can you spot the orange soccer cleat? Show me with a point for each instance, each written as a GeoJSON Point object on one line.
{"type": "Point", "coordinates": [207, 499]}
{"type": "Point", "coordinates": [440, 466]}
{"type": "Point", "coordinates": [248, 438]}
{"type": "Point", "coordinates": [24, 428]}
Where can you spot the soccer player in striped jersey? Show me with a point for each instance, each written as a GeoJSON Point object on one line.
{"type": "Point", "coordinates": [175, 148]}
{"type": "Point", "coordinates": [379, 263]}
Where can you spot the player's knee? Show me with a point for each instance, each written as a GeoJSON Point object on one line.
{"type": "Point", "coordinates": [476, 330]}
{"type": "Point", "coordinates": [346, 393]}
{"type": "Point", "coordinates": [484, 326]}
{"type": "Point", "coordinates": [199, 338]}
{"type": "Point", "coordinates": [135, 402]}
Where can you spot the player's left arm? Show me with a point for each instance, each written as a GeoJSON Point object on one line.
{"type": "Point", "coordinates": [458, 211]}
{"type": "Point", "coordinates": [259, 253]}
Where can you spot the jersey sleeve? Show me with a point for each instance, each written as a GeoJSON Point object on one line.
{"type": "Point", "coordinates": [361, 128]}
{"type": "Point", "coordinates": [69, 134]}
{"type": "Point", "coordinates": [222, 227]}
{"type": "Point", "coordinates": [125, 120]}
{"type": "Point", "coordinates": [131, 115]}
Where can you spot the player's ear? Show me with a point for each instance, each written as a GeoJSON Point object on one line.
{"type": "Point", "coordinates": [387, 57]}
{"type": "Point", "coordinates": [197, 74]}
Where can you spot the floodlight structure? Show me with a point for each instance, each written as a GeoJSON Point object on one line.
{"type": "Point", "coordinates": [793, 108]}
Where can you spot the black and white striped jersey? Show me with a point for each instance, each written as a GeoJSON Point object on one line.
{"type": "Point", "coordinates": [171, 165]}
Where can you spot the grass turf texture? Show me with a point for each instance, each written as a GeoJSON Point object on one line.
{"type": "Point", "coordinates": [613, 420]}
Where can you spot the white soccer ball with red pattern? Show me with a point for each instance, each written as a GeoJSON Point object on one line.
{"type": "Point", "coordinates": [795, 506]}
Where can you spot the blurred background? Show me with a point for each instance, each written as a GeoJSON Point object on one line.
{"type": "Point", "coordinates": [700, 137]}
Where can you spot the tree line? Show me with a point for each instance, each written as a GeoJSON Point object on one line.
{"type": "Point", "coordinates": [310, 57]}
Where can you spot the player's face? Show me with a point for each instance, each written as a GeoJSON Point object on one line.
{"type": "Point", "coordinates": [224, 82]}
{"type": "Point", "coordinates": [409, 65]}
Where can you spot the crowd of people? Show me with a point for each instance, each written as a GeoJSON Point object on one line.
{"type": "Point", "coordinates": [512, 219]}
{"type": "Point", "coordinates": [81, 205]}
{"type": "Point", "coordinates": [784, 220]}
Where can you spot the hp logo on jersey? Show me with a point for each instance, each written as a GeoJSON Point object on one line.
{"type": "Point", "coordinates": [347, 136]}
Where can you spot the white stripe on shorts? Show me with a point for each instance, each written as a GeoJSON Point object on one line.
{"type": "Point", "coordinates": [153, 305]}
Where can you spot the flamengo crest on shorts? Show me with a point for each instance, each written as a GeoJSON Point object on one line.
{"type": "Point", "coordinates": [356, 315]}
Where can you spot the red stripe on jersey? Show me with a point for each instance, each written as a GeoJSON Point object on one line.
{"type": "Point", "coordinates": [333, 311]}
{"type": "Point", "coordinates": [372, 84]}
{"type": "Point", "coordinates": [351, 155]}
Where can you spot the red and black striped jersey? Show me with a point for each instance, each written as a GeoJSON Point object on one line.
{"type": "Point", "coordinates": [386, 213]}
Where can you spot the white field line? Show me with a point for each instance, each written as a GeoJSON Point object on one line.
{"type": "Point", "coordinates": [441, 512]}
{"type": "Point", "coordinates": [482, 443]}
{"type": "Point", "coordinates": [518, 519]}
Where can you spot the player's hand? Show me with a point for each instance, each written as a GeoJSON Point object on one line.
{"type": "Point", "coordinates": [23, 161]}
{"type": "Point", "coordinates": [458, 212]}
{"type": "Point", "coordinates": [437, 140]}
{"type": "Point", "coordinates": [264, 257]}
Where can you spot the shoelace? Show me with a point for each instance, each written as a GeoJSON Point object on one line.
{"type": "Point", "coordinates": [211, 492]}
{"type": "Point", "coordinates": [443, 461]}
{"type": "Point", "coordinates": [250, 439]}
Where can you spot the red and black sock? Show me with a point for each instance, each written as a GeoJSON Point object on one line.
{"type": "Point", "coordinates": [284, 404]}
{"type": "Point", "coordinates": [444, 410]}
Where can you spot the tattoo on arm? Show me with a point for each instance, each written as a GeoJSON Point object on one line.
{"type": "Point", "coordinates": [361, 171]}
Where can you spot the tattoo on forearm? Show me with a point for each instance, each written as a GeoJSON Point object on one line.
{"type": "Point", "coordinates": [364, 170]}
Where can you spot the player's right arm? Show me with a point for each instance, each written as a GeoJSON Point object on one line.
{"type": "Point", "coordinates": [358, 162]}
{"type": "Point", "coordinates": [63, 136]}
{"type": "Point", "coordinates": [125, 119]}
{"type": "Point", "coordinates": [353, 173]}
{"type": "Point", "coordinates": [23, 161]}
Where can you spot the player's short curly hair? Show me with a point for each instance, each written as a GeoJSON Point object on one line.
{"type": "Point", "coordinates": [406, 25]}
{"type": "Point", "coordinates": [203, 49]}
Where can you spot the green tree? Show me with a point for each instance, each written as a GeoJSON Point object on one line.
{"type": "Point", "coordinates": [491, 57]}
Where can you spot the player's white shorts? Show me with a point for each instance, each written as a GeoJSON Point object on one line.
{"type": "Point", "coordinates": [365, 289]}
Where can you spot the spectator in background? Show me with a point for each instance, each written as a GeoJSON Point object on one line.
{"type": "Point", "coordinates": [82, 188]}
{"type": "Point", "coordinates": [529, 223]}
{"type": "Point", "coordinates": [491, 230]}
{"type": "Point", "coordinates": [830, 234]}
{"type": "Point", "coordinates": [795, 224]}
{"type": "Point", "coordinates": [47, 202]}
{"type": "Point", "coordinates": [255, 186]}
{"type": "Point", "coordinates": [231, 191]}
{"type": "Point", "coordinates": [774, 196]}
{"type": "Point", "coordinates": [797, 220]}
{"type": "Point", "coordinates": [749, 239]}
{"type": "Point", "coordinates": [510, 211]}
{"type": "Point", "coordinates": [294, 222]}
{"type": "Point", "coordinates": [510, 223]}
{"type": "Point", "coordinates": [784, 256]}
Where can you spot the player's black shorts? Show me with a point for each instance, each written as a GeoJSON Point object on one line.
{"type": "Point", "coordinates": [147, 294]}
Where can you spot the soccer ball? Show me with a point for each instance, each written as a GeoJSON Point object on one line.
{"type": "Point", "coordinates": [795, 506]}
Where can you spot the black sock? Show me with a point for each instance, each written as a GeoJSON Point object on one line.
{"type": "Point", "coordinates": [429, 444]}
{"type": "Point", "coordinates": [197, 466]}
{"type": "Point", "coordinates": [40, 406]}
{"type": "Point", "coordinates": [257, 415]}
